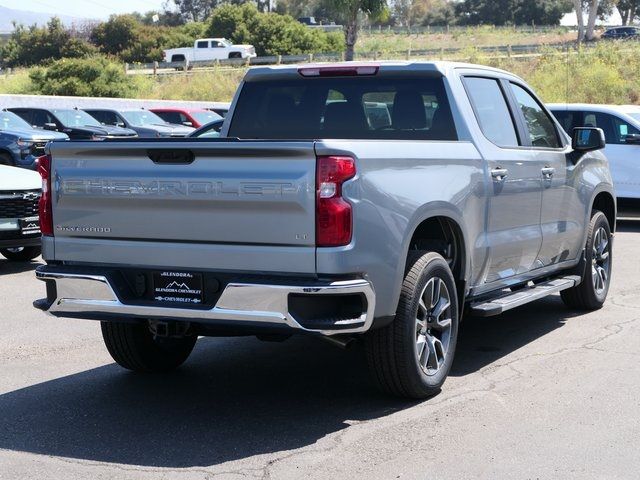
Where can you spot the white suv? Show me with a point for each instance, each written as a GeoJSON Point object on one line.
{"type": "Point", "coordinates": [621, 126]}
{"type": "Point", "coordinates": [19, 224]}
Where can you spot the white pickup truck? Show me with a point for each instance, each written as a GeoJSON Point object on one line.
{"type": "Point", "coordinates": [209, 49]}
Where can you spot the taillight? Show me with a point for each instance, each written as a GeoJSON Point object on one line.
{"type": "Point", "coordinates": [333, 213]}
{"type": "Point", "coordinates": [44, 206]}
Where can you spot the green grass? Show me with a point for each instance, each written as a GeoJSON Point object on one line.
{"type": "Point", "coordinates": [458, 37]}
{"type": "Point", "coordinates": [606, 73]}
{"type": "Point", "coordinates": [16, 83]}
{"type": "Point", "coordinates": [217, 86]}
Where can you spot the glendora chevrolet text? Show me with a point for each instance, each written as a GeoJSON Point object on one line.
{"type": "Point", "coordinates": [372, 202]}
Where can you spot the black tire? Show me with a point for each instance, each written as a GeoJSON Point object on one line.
{"type": "Point", "coordinates": [235, 55]}
{"type": "Point", "coordinates": [586, 296]}
{"type": "Point", "coordinates": [24, 254]}
{"type": "Point", "coordinates": [392, 351]}
{"type": "Point", "coordinates": [133, 346]}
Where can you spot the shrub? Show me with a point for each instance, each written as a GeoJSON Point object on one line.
{"type": "Point", "coordinates": [89, 77]}
{"type": "Point", "coordinates": [133, 42]}
{"type": "Point", "coordinates": [36, 45]}
{"type": "Point", "coordinates": [270, 33]}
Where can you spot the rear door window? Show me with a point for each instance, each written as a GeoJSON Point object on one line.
{"type": "Point", "coordinates": [492, 111]}
{"type": "Point", "coordinates": [358, 107]}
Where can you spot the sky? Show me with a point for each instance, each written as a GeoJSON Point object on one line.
{"type": "Point", "coordinates": [84, 8]}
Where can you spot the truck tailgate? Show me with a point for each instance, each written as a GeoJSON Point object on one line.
{"type": "Point", "coordinates": [218, 204]}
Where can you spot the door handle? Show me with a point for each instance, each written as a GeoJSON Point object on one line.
{"type": "Point", "coordinates": [499, 174]}
{"type": "Point", "coordinates": [547, 172]}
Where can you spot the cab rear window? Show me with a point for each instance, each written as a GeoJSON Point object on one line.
{"type": "Point", "coordinates": [384, 107]}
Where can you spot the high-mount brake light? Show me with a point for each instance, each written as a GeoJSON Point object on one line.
{"type": "Point", "coordinates": [334, 223]}
{"type": "Point", "coordinates": [45, 204]}
{"type": "Point", "coordinates": [340, 71]}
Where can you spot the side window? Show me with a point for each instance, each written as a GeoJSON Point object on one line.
{"type": "Point", "coordinates": [615, 129]}
{"type": "Point", "coordinates": [183, 118]}
{"type": "Point", "coordinates": [492, 111]}
{"type": "Point", "coordinates": [39, 118]}
{"type": "Point", "coordinates": [202, 44]}
{"type": "Point", "coordinates": [99, 116]}
{"type": "Point", "coordinates": [110, 118]}
{"type": "Point", "coordinates": [542, 132]}
{"type": "Point", "coordinates": [171, 117]}
{"type": "Point", "coordinates": [216, 44]}
{"type": "Point", "coordinates": [25, 115]}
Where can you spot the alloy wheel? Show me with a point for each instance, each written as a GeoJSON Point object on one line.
{"type": "Point", "coordinates": [433, 326]}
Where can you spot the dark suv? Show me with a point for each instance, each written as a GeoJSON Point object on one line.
{"type": "Point", "coordinates": [621, 33]}
{"type": "Point", "coordinates": [78, 124]}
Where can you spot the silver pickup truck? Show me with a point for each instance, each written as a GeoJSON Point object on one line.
{"type": "Point", "coordinates": [348, 201]}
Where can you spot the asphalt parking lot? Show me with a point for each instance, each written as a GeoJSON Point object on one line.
{"type": "Point", "coordinates": [540, 392]}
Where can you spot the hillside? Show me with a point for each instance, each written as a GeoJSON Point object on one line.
{"type": "Point", "coordinates": [9, 15]}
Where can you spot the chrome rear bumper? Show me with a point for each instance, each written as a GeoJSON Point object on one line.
{"type": "Point", "coordinates": [92, 296]}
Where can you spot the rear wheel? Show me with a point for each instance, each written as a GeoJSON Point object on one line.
{"type": "Point", "coordinates": [591, 293]}
{"type": "Point", "coordinates": [412, 356]}
{"type": "Point", "coordinates": [134, 347]}
{"type": "Point", "coordinates": [21, 254]}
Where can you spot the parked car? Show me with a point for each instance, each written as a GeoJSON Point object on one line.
{"type": "Point", "coordinates": [209, 49]}
{"type": "Point", "coordinates": [144, 122]}
{"type": "Point", "coordinates": [73, 122]}
{"type": "Point", "coordinates": [189, 117]}
{"type": "Point", "coordinates": [621, 127]}
{"type": "Point", "coordinates": [210, 130]}
{"type": "Point", "coordinates": [307, 219]}
{"type": "Point", "coordinates": [621, 33]}
{"type": "Point", "coordinates": [20, 143]}
{"type": "Point", "coordinates": [19, 222]}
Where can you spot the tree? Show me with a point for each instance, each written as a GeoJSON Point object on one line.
{"type": "Point", "coordinates": [514, 12]}
{"type": "Point", "coordinates": [439, 12]}
{"type": "Point", "coordinates": [628, 10]}
{"type": "Point", "coordinates": [589, 34]}
{"type": "Point", "coordinates": [195, 10]}
{"type": "Point", "coordinates": [586, 33]}
{"type": "Point", "coordinates": [270, 33]}
{"type": "Point", "coordinates": [116, 34]}
{"type": "Point", "coordinates": [36, 45]}
{"type": "Point", "coordinates": [349, 12]}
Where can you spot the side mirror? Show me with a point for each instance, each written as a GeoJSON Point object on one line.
{"type": "Point", "coordinates": [187, 124]}
{"type": "Point", "coordinates": [120, 124]}
{"type": "Point", "coordinates": [50, 126]}
{"type": "Point", "coordinates": [587, 139]}
{"type": "Point", "coordinates": [632, 139]}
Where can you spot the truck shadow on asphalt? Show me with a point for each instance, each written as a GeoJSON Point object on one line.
{"type": "Point", "coordinates": [235, 398]}
{"type": "Point", "coordinates": [7, 267]}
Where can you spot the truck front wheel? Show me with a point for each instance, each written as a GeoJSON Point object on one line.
{"type": "Point", "coordinates": [591, 293]}
{"type": "Point", "coordinates": [412, 356]}
{"type": "Point", "coordinates": [133, 346]}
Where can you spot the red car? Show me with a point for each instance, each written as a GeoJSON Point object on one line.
{"type": "Point", "coordinates": [190, 117]}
